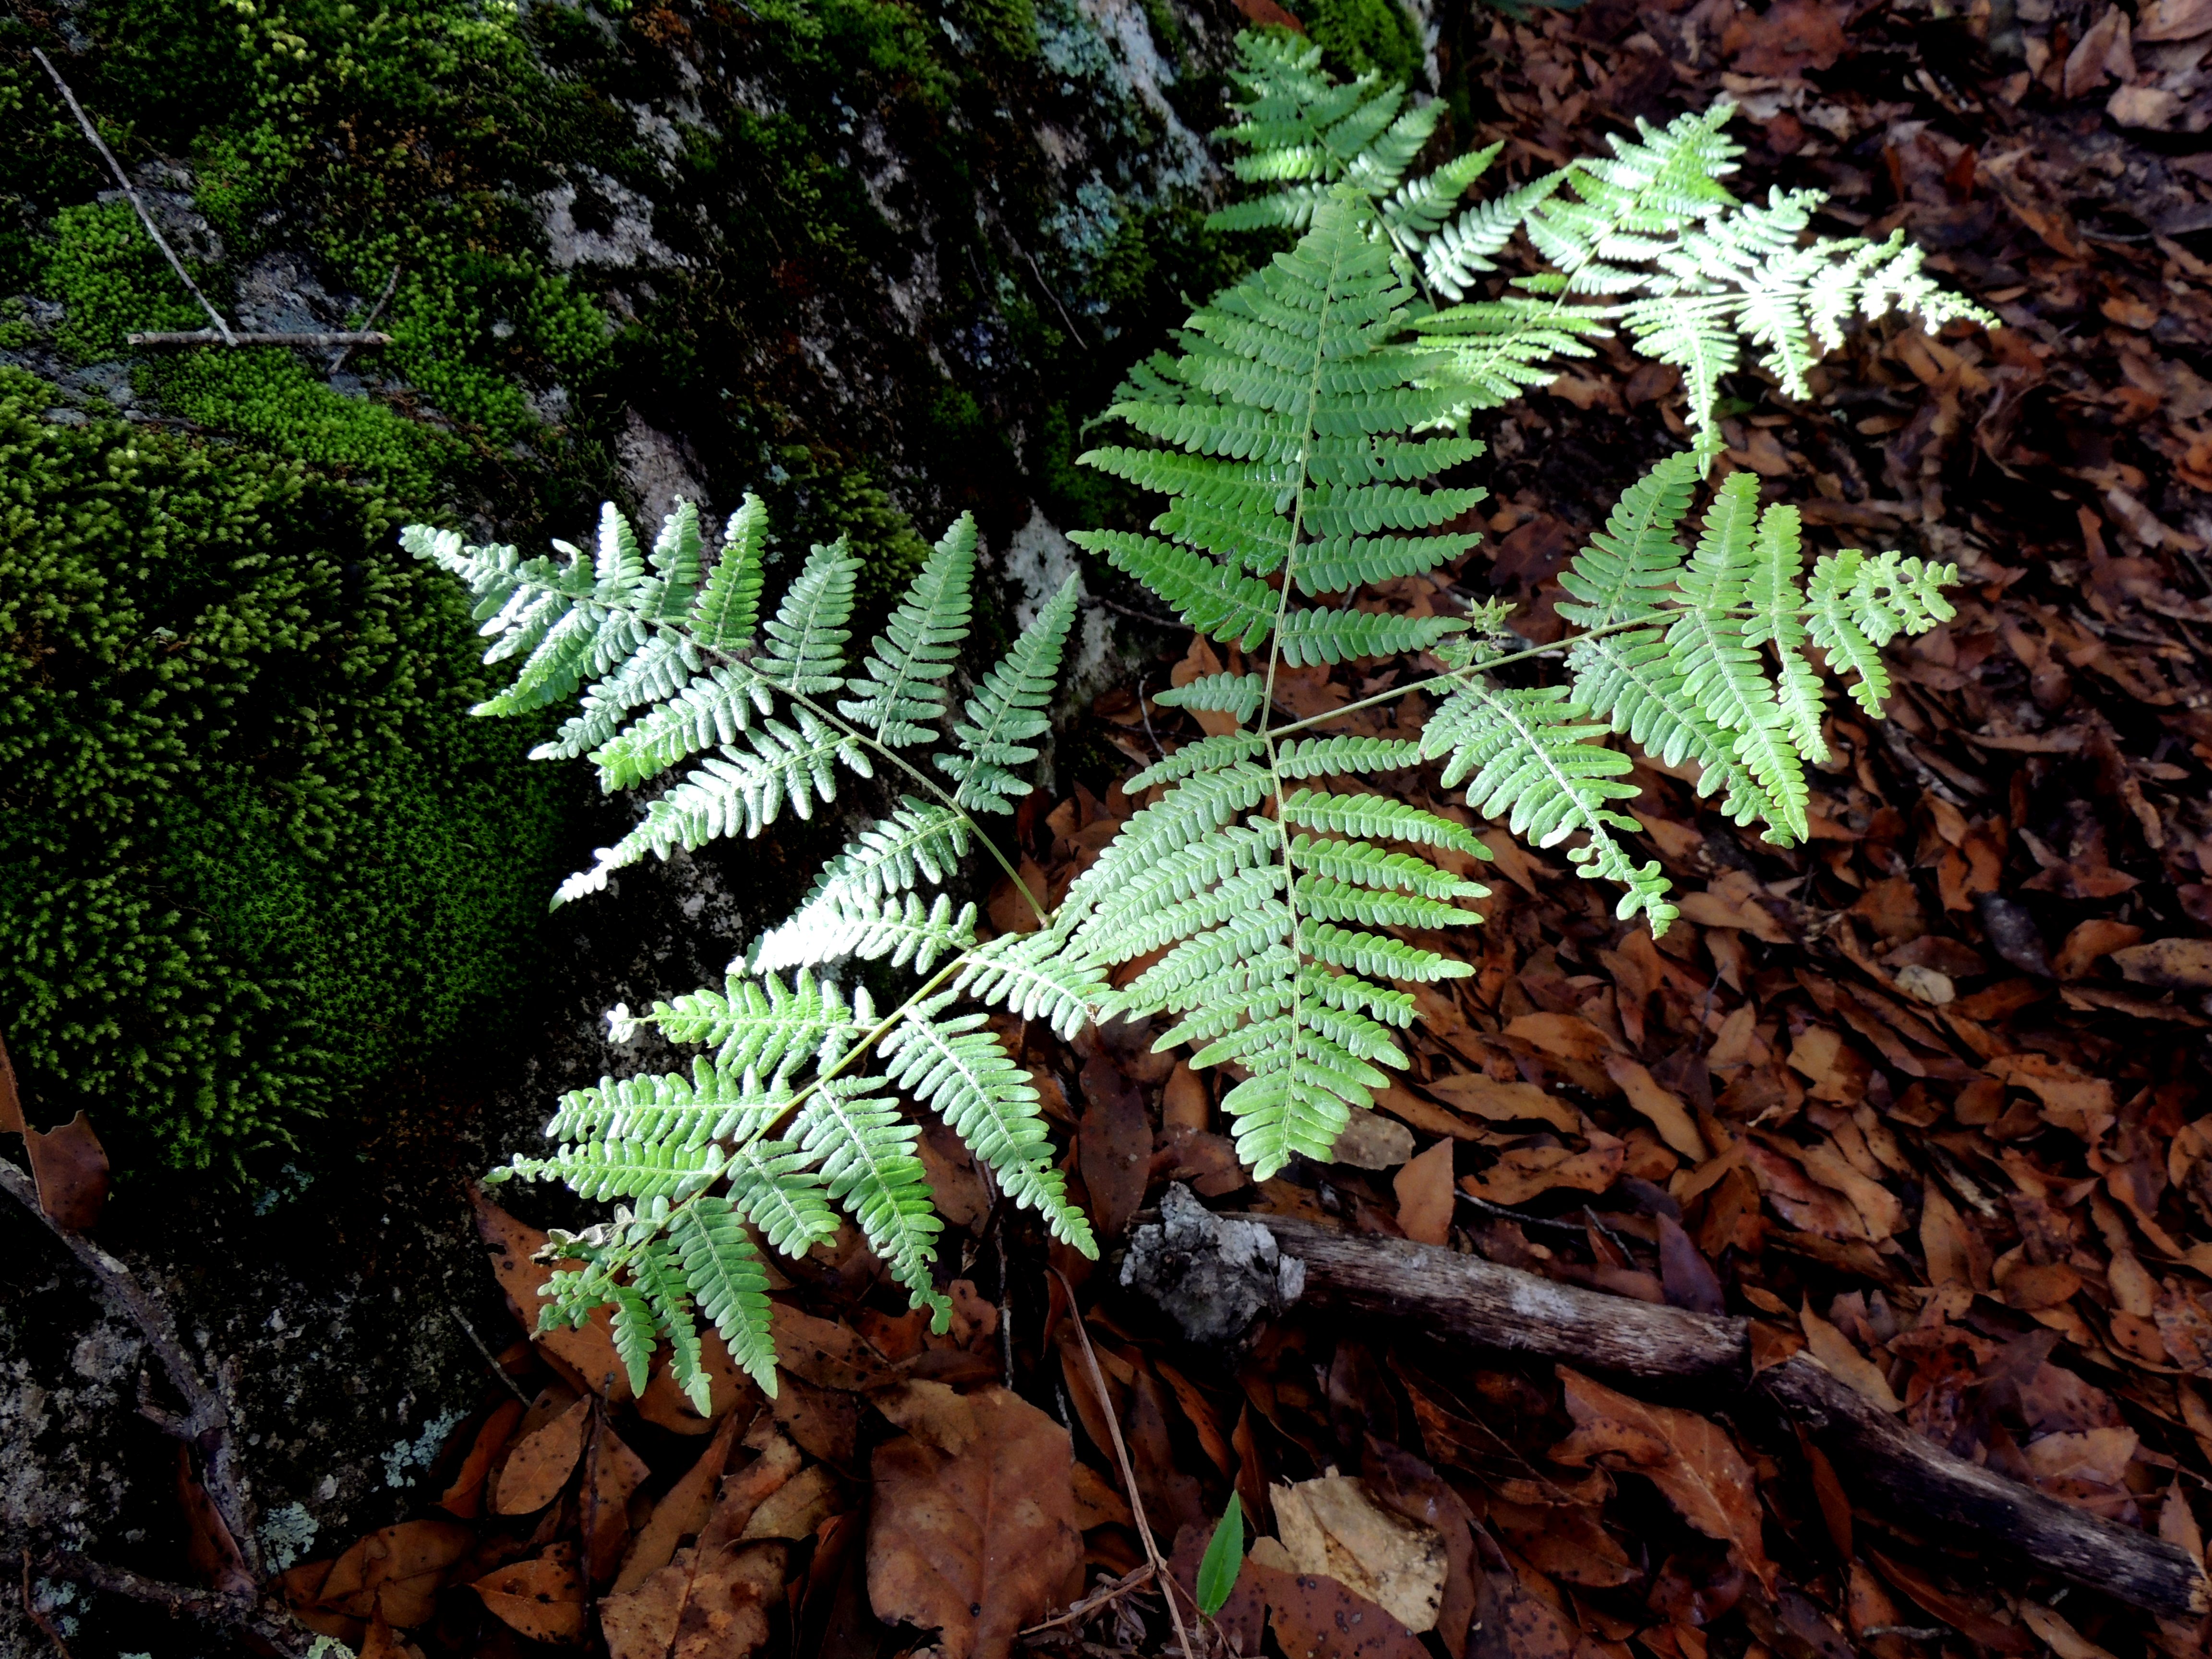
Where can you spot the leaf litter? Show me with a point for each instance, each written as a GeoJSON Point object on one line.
{"type": "Point", "coordinates": [1922, 1097]}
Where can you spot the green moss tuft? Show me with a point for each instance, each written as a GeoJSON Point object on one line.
{"type": "Point", "coordinates": [1359, 35]}
{"type": "Point", "coordinates": [233, 720]}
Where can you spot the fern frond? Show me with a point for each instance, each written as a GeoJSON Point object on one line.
{"type": "Point", "coordinates": [1631, 681]}
{"type": "Point", "coordinates": [1363, 864]}
{"type": "Point", "coordinates": [1778, 609]}
{"type": "Point", "coordinates": [714, 1103]}
{"type": "Point", "coordinates": [855, 924]}
{"type": "Point", "coordinates": [1858, 605]}
{"type": "Point", "coordinates": [865, 1154]}
{"type": "Point", "coordinates": [1374, 817]}
{"type": "Point", "coordinates": [960, 1070]}
{"type": "Point", "coordinates": [804, 650]}
{"type": "Point", "coordinates": [1009, 709]}
{"type": "Point", "coordinates": [715, 708]}
{"type": "Point", "coordinates": [727, 610]}
{"type": "Point", "coordinates": [729, 1280]}
{"type": "Point", "coordinates": [1456, 253]}
{"type": "Point", "coordinates": [773, 1185]}
{"type": "Point", "coordinates": [657, 1274]}
{"type": "Point", "coordinates": [900, 692]}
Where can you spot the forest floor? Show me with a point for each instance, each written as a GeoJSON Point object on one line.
{"type": "Point", "coordinates": [1924, 1097]}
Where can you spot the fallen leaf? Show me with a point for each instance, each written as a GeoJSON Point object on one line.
{"type": "Point", "coordinates": [800, 1506]}
{"type": "Point", "coordinates": [932, 1413]}
{"type": "Point", "coordinates": [69, 1166]}
{"type": "Point", "coordinates": [708, 1603]}
{"type": "Point", "coordinates": [1663, 1107]}
{"type": "Point", "coordinates": [587, 1350]}
{"type": "Point", "coordinates": [2071, 1099]}
{"type": "Point", "coordinates": [2061, 1638]}
{"type": "Point", "coordinates": [1098, 1503]}
{"type": "Point", "coordinates": [1504, 1102]}
{"type": "Point", "coordinates": [464, 1497]}
{"type": "Point", "coordinates": [2172, 964]}
{"type": "Point", "coordinates": [1114, 1144]}
{"type": "Point", "coordinates": [976, 1545]}
{"type": "Point", "coordinates": [1689, 1458]}
{"type": "Point", "coordinates": [1333, 1526]}
{"type": "Point", "coordinates": [1315, 1617]}
{"type": "Point", "coordinates": [1955, 1611]}
{"type": "Point", "coordinates": [1514, 1619]}
{"type": "Point", "coordinates": [1791, 37]}
{"type": "Point", "coordinates": [1426, 1196]}
{"type": "Point", "coordinates": [2173, 20]}
{"type": "Point", "coordinates": [614, 1472]}
{"type": "Point", "coordinates": [213, 1553]}
{"type": "Point", "coordinates": [1371, 1141]}
{"type": "Point", "coordinates": [12, 1101]}
{"type": "Point", "coordinates": [1564, 1036]}
{"type": "Point", "coordinates": [746, 1489]}
{"type": "Point", "coordinates": [826, 1353]}
{"type": "Point", "coordinates": [542, 1600]}
{"type": "Point", "coordinates": [1835, 1354]}
{"type": "Point", "coordinates": [542, 1457]}
{"type": "Point", "coordinates": [2090, 940]}
{"type": "Point", "coordinates": [680, 1514]}
{"type": "Point", "coordinates": [666, 1406]}
{"type": "Point", "coordinates": [1184, 1103]}
{"type": "Point", "coordinates": [825, 1421]}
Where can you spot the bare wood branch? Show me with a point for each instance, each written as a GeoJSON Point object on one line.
{"type": "Point", "coordinates": [264, 1617]}
{"type": "Point", "coordinates": [391, 287]}
{"type": "Point", "coordinates": [207, 337]}
{"type": "Point", "coordinates": [131, 196]}
{"type": "Point", "coordinates": [1501, 1308]}
{"type": "Point", "coordinates": [206, 1421]}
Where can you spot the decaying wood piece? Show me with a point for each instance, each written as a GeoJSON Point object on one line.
{"type": "Point", "coordinates": [196, 337]}
{"type": "Point", "coordinates": [1503, 1309]}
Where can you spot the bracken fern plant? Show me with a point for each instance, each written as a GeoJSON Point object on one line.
{"type": "Point", "coordinates": [1262, 899]}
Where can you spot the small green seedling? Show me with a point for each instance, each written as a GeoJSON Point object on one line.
{"type": "Point", "coordinates": [1224, 1559]}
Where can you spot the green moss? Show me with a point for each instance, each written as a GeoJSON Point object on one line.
{"type": "Point", "coordinates": [266, 394]}
{"type": "Point", "coordinates": [1359, 35]}
{"type": "Point", "coordinates": [232, 724]}
{"type": "Point", "coordinates": [111, 280]}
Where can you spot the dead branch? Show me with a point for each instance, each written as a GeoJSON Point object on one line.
{"type": "Point", "coordinates": [130, 196]}
{"type": "Point", "coordinates": [269, 1620]}
{"type": "Point", "coordinates": [1501, 1308]}
{"type": "Point", "coordinates": [205, 1422]}
{"type": "Point", "coordinates": [209, 337]}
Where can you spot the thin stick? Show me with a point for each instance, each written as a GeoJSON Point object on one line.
{"type": "Point", "coordinates": [31, 1612]}
{"type": "Point", "coordinates": [490, 1358]}
{"type": "Point", "coordinates": [206, 1421]}
{"type": "Point", "coordinates": [1105, 1595]}
{"type": "Point", "coordinates": [1128, 1474]}
{"type": "Point", "coordinates": [391, 287]}
{"type": "Point", "coordinates": [131, 196]}
{"type": "Point", "coordinates": [194, 337]}
{"type": "Point", "coordinates": [270, 1620]}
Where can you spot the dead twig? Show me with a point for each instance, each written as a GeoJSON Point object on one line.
{"type": "Point", "coordinates": [1128, 1473]}
{"type": "Point", "coordinates": [391, 287]}
{"type": "Point", "coordinates": [1104, 1596]}
{"type": "Point", "coordinates": [195, 337]}
{"type": "Point", "coordinates": [490, 1358]}
{"type": "Point", "coordinates": [205, 1422]}
{"type": "Point", "coordinates": [131, 196]}
{"type": "Point", "coordinates": [269, 1620]}
{"type": "Point", "coordinates": [31, 1611]}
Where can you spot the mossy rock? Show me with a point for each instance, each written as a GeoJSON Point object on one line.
{"type": "Point", "coordinates": [253, 852]}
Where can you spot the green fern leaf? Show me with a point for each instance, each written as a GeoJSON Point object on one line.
{"type": "Point", "coordinates": [729, 1280]}
{"type": "Point", "coordinates": [727, 610]}
{"type": "Point", "coordinates": [1627, 566]}
{"type": "Point", "coordinates": [1009, 709]}
{"type": "Point", "coordinates": [804, 650]}
{"type": "Point", "coordinates": [901, 692]}
{"type": "Point", "coordinates": [865, 1155]}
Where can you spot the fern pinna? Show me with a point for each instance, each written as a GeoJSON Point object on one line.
{"type": "Point", "coordinates": [1268, 904]}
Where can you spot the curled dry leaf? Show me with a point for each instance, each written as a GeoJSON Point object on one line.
{"type": "Point", "coordinates": [396, 1570]}
{"type": "Point", "coordinates": [1834, 1352]}
{"type": "Point", "coordinates": [1333, 1526]}
{"type": "Point", "coordinates": [1689, 1458]}
{"type": "Point", "coordinates": [1114, 1144]}
{"type": "Point", "coordinates": [1524, 1171]}
{"type": "Point", "coordinates": [1668, 1115]}
{"type": "Point", "coordinates": [463, 1498]}
{"type": "Point", "coordinates": [1425, 1195]}
{"type": "Point", "coordinates": [974, 1545]}
{"type": "Point", "coordinates": [680, 1514]}
{"type": "Point", "coordinates": [1504, 1102]}
{"type": "Point", "coordinates": [1371, 1141]}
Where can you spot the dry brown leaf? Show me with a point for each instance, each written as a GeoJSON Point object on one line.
{"type": "Point", "coordinates": [1522, 1172]}
{"type": "Point", "coordinates": [748, 1488]}
{"type": "Point", "coordinates": [542, 1600]}
{"type": "Point", "coordinates": [1425, 1116]}
{"type": "Point", "coordinates": [1566, 1541]}
{"type": "Point", "coordinates": [1114, 1144]}
{"type": "Point", "coordinates": [1183, 1103]}
{"type": "Point", "coordinates": [825, 1421]}
{"type": "Point", "coordinates": [1315, 1617]}
{"type": "Point", "coordinates": [1835, 1354]}
{"type": "Point", "coordinates": [1564, 1036]}
{"type": "Point", "coordinates": [1662, 1106]}
{"type": "Point", "coordinates": [826, 1353]}
{"type": "Point", "coordinates": [614, 1473]}
{"type": "Point", "coordinates": [2171, 965]}
{"type": "Point", "coordinates": [542, 1459]}
{"type": "Point", "coordinates": [665, 1404]}
{"type": "Point", "coordinates": [587, 1350]}
{"type": "Point", "coordinates": [2089, 940]}
{"type": "Point", "coordinates": [1098, 1502]}
{"type": "Point", "coordinates": [2071, 1099]}
{"type": "Point", "coordinates": [213, 1553]}
{"type": "Point", "coordinates": [1333, 1526]}
{"type": "Point", "coordinates": [932, 1413]}
{"type": "Point", "coordinates": [1370, 1141]}
{"type": "Point", "coordinates": [977, 1544]}
{"type": "Point", "coordinates": [464, 1497]}
{"type": "Point", "coordinates": [11, 1101]}
{"type": "Point", "coordinates": [396, 1570]}
{"type": "Point", "coordinates": [1696, 1465]}
{"type": "Point", "coordinates": [680, 1514]}
{"type": "Point", "coordinates": [1788, 38]}
{"type": "Point", "coordinates": [1504, 1102]}
{"type": "Point", "coordinates": [800, 1506]}
{"type": "Point", "coordinates": [1426, 1196]}
{"type": "Point", "coordinates": [2061, 1638]}
{"type": "Point", "coordinates": [70, 1168]}
{"type": "Point", "coordinates": [1955, 1251]}
{"type": "Point", "coordinates": [1961, 1614]}
{"type": "Point", "coordinates": [714, 1608]}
